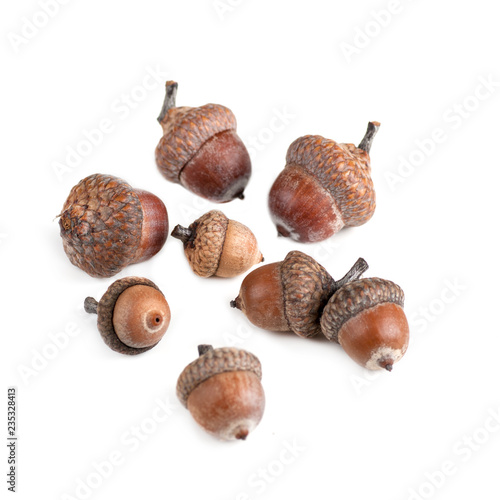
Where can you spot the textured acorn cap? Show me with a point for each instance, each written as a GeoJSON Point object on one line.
{"type": "Point", "coordinates": [204, 249]}
{"type": "Point", "coordinates": [185, 131]}
{"type": "Point", "coordinates": [355, 297]}
{"type": "Point", "coordinates": [101, 225]}
{"type": "Point", "coordinates": [342, 169]}
{"type": "Point", "coordinates": [307, 286]}
{"type": "Point", "coordinates": [213, 362]}
{"type": "Point", "coordinates": [105, 309]}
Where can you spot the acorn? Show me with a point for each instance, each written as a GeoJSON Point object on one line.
{"type": "Point", "coordinates": [106, 225]}
{"type": "Point", "coordinates": [323, 187]}
{"type": "Point", "coordinates": [201, 150]}
{"type": "Point", "coordinates": [367, 319]}
{"type": "Point", "coordinates": [223, 392]}
{"type": "Point", "coordinates": [217, 246]}
{"type": "Point", "coordinates": [132, 316]}
{"type": "Point", "coordinates": [290, 295]}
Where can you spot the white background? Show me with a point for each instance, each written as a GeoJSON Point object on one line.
{"type": "Point", "coordinates": [354, 434]}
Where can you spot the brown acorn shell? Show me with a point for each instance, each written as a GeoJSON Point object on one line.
{"type": "Point", "coordinates": [188, 130]}
{"type": "Point", "coordinates": [342, 169]}
{"type": "Point", "coordinates": [213, 362]}
{"type": "Point", "coordinates": [101, 225]}
{"type": "Point", "coordinates": [355, 297]}
{"type": "Point", "coordinates": [105, 309]}
{"type": "Point", "coordinates": [204, 250]}
{"type": "Point", "coordinates": [307, 286]}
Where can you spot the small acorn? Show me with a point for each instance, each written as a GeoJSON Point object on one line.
{"type": "Point", "coordinates": [323, 187]}
{"type": "Point", "coordinates": [290, 295]}
{"type": "Point", "coordinates": [366, 318]}
{"type": "Point", "coordinates": [222, 391]}
{"type": "Point", "coordinates": [201, 150]}
{"type": "Point", "coordinates": [132, 316]}
{"type": "Point", "coordinates": [217, 246]}
{"type": "Point", "coordinates": [106, 225]}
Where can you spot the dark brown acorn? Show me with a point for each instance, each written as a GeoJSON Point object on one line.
{"type": "Point", "coordinates": [222, 391]}
{"type": "Point", "coordinates": [201, 150]}
{"type": "Point", "coordinates": [132, 316]}
{"type": "Point", "coordinates": [324, 187]}
{"type": "Point", "coordinates": [217, 246]}
{"type": "Point", "coordinates": [290, 295]}
{"type": "Point", "coordinates": [107, 225]}
{"type": "Point", "coordinates": [366, 318]}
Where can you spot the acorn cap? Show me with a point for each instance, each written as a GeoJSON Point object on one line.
{"type": "Point", "coordinates": [203, 249]}
{"type": "Point", "coordinates": [355, 297]}
{"type": "Point", "coordinates": [342, 169]}
{"type": "Point", "coordinates": [101, 225]}
{"type": "Point", "coordinates": [105, 309]}
{"type": "Point", "coordinates": [186, 129]}
{"type": "Point", "coordinates": [307, 286]}
{"type": "Point", "coordinates": [212, 362]}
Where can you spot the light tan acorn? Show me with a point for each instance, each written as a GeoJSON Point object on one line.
{"type": "Point", "coordinates": [201, 150]}
{"type": "Point", "coordinates": [107, 225]}
{"type": "Point", "coordinates": [217, 246]}
{"type": "Point", "coordinates": [132, 316]}
{"type": "Point", "coordinates": [223, 392]}
{"type": "Point", "coordinates": [290, 295]}
{"type": "Point", "coordinates": [324, 187]}
{"type": "Point", "coordinates": [367, 319]}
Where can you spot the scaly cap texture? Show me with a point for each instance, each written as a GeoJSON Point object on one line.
{"type": "Point", "coordinates": [353, 298]}
{"type": "Point", "coordinates": [187, 133]}
{"type": "Point", "coordinates": [307, 286]}
{"type": "Point", "coordinates": [204, 250]}
{"type": "Point", "coordinates": [213, 362]}
{"type": "Point", "coordinates": [342, 169]}
{"type": "Point", "coordinates": [101, 225]}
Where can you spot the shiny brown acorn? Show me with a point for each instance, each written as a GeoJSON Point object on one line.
{"type": "Point", "coordinates": [201, 150]}
{"type": "Point", "coordinates": [106, 225]}
{"type": "Point", "coordinates": [217, 246]}
{"type": "Point", "coordinates": [223, 392]}
{"type": "Point", "coordinates": [290, 295]}
{"type": "Point", "coordinates": [324, 187]}
{"type": "Point", "coordinates": [367, 319]}
{"type": "Point", "coordinates": [132, 316]}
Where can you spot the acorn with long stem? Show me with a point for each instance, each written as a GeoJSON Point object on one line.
{"type": "Point", "coordinates": [324, 187]}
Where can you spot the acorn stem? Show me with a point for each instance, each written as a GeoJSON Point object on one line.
{"type": "Point", "coordinates": [371, 132]}
{"type": "Point", "coordinates": [90, 305]}
{"type": "Point", "coordinates": [169, 102]}
{"type": "Point", "coordinates": [359, 267]}
{"type": "Point", "coordinates": [204, 348]}
{"type": "Point", "coordinates": [182, 233]}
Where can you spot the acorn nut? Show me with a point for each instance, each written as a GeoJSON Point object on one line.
{"type": "Point", "coordinates": [217, 246]}
{"type": "Point", "coordinates": [323, 187]}
{"type": "Point", "coordinates": [366, 318]}
{"type": "Point", "coordinates": [106, 225]}
{"type": "Point", "coordinates": [132, 316]}
{"type": "Point", "coordinates": [201, 150]}
{"type": "Point", "coordinates": [222, 391]}
{"type": "Point", "coordinates": [290, 295]}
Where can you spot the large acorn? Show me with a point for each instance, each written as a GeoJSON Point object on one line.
{"type": "Point", "coordinates": [222, 391]}
{"type": "Point", "coordinates": [201, 150]}
{"type": "Point", "coordinates": [366, 318]}
{"type": "Point", "coordinates": [324, 187]}
{"type": "Point", "coordinates": [217, 246]}
{"type": "Point", "coordinates": [290, 295]}
{"type": "Point", "coordinates": [132, 316]}
{"type": "Point", "coordinates": [106, 225]}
